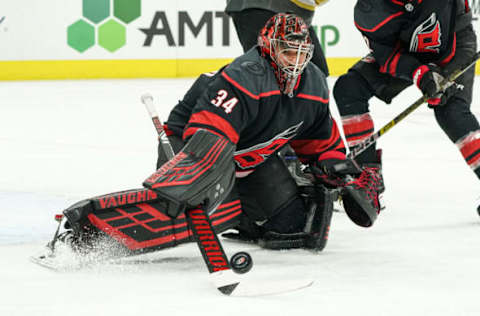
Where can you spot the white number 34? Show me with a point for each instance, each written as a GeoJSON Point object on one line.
{"type": "Point", "coordinates": [219, 101]}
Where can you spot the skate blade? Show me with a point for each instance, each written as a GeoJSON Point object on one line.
{"type": "Point", "coordinates": [53, 260]}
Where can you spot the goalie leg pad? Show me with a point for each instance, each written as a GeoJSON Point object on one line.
{"type": "Point", "coordinates": [316, 225]}
{"type": "Point", "coordinates": [201, 173]}
{"type": "Point", "coordinates": [319, 217]}
{"type": "Point", "coordinates": [137, 221]}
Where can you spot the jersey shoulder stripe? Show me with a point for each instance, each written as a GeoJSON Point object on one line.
{"type": "Point", "coordinates": [372, 15]}
{"type": "Point", "coordinates": [312, 97]}
{"type": "Point", "coordinates": [252, 75]}
{"type": "Point", "coordinates": [246, 91]}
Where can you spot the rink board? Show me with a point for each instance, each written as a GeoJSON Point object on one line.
{"type": "Point", "coordinates": [81, 39]}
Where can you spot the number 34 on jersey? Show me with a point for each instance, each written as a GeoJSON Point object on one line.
{"type": "Point", "coordinates": [220, 101]}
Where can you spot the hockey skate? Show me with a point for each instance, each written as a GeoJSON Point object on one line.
{"type": "Point", "coordinates": [69, 250]}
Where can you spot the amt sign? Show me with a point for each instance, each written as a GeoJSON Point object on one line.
{"type": "Point", "coordinates": [160, 27]}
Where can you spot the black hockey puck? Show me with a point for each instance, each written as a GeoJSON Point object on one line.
{"type": "Point", "coordinates": [241, 262]}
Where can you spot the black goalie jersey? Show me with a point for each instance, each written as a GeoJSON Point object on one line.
{"type": "Point", "coordinates": [243, 103]}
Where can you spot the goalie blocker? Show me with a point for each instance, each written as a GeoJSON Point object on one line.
{"type": "Point", "coordinates": [202, 173]}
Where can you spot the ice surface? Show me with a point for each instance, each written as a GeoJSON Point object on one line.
{"type": "Point", "coordinates": [64, 141]}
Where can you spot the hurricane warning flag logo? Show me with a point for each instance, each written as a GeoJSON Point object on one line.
{"type": "Point", "coordinates": [101, 25]}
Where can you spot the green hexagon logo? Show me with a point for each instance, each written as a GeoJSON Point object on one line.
{"type": "Point", "coordinates": [127, 10]}
{"type": "Point", "coordinates": [112, 35]}
{"type": "Point", "coordinates": [81, 36]}
{"type": "Point", "coordinates": [96, 10]}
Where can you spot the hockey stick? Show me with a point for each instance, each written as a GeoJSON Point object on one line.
{"type": "Point", "coordinates": [198, 219]}
{"type": "Point", "coordinates": [219, 267]}
{"type": "Point", "coordinates": [358, 149]}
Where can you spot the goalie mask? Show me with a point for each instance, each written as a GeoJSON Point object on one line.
{"type": "Point", "coordinates": [285, 42]}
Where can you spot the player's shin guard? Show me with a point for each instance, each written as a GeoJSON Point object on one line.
{"type": "Point", "coordinates": [357, 128]}
{"type": "Point", "coordinates": [469, 146]}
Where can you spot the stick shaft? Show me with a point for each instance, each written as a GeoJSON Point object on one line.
{"type": "Point", "coordinates": [147, 100]}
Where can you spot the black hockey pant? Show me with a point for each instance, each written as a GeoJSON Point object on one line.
{"type": "Point", "coordinates": [268, 195]}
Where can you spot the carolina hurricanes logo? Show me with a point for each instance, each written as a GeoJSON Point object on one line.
{"type": "Point", "coordinates": [426, 37]}
{"type": "Point", "coordinates": [255, 155]}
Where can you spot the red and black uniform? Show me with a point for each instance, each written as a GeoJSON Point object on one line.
{"type": "Point", "coordinates": [243, 103]}
{"type": "Point", "coordinates": [402, 36]}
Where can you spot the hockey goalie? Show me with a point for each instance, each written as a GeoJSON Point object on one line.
{"type": "Point", "coordinates": [255, 146]}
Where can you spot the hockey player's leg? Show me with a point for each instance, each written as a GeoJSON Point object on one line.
{"type": "Point", "coordinates": [261, 198]}
{"type": "Point", "coordinates": [284, 230]}
{"type": "Point", "coordinates": [463, 129]}
{"type": "Point", "coordinates": [303, 223]}
{"type": "Point", "coordinates": [145, 220]}
{"type": "Point", "coordinates": [134, 221]}
{"type": "Point", "coordinates": [352, 93]}
{"type": "Point", "coordinates": [248, 23]}
{"type": "Point", "coordinates": [455, 117]}
{"type": "Point", "coordinates": [279, 215]}
{"type": "Point", "coordinates": [318, 204]}
{"type": "Point", "coordinates": [318, 57]}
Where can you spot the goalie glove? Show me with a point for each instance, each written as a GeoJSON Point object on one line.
{"type": "Point", "coordinates": [360, 197]}
{"type": "Point", "coordinates": [360, 186]}
{"type": "Point", "coordinates": [202, 173]}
